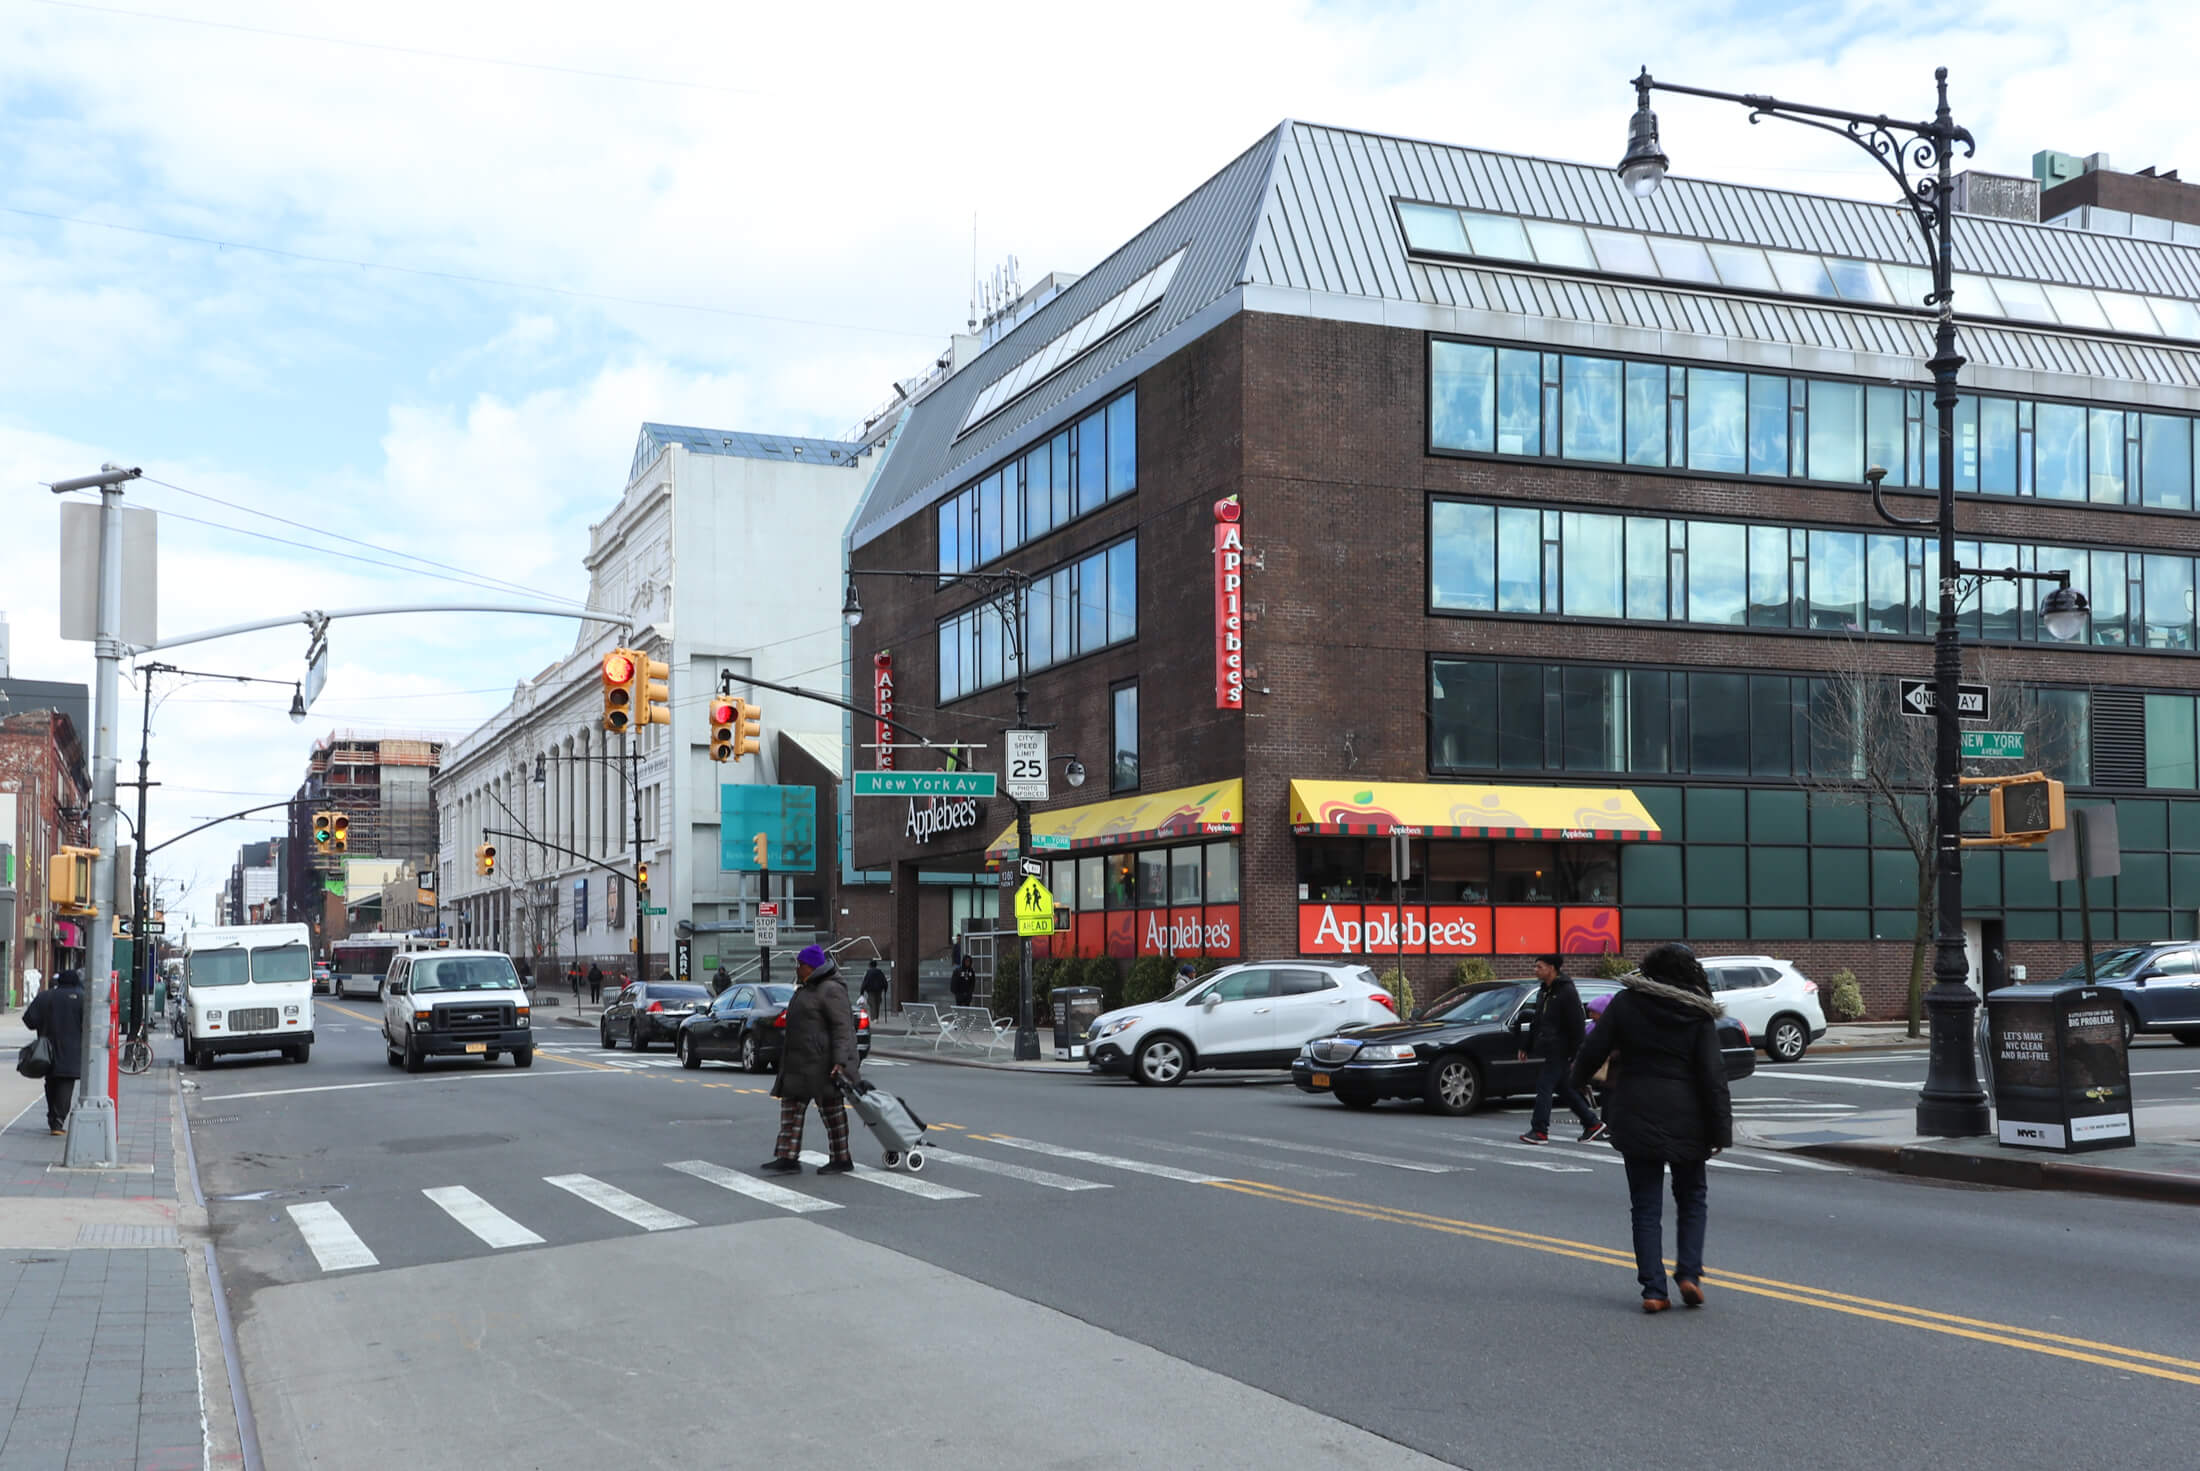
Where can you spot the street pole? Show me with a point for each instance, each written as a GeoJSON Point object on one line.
{"type": "Point", "coordinates": [1027, 1031]}
{"type": "Point", "coordinates": [764, 952]}
{"type": "Point", "coordinates": [641, 891]}
{"type": "Point", "coordinates": [141, 953]}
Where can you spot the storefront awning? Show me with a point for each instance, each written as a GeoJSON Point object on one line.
{"type": "Point", "coordinates": [1452, 810]}
{"type": "Point", "coordinates": [1216, 808]}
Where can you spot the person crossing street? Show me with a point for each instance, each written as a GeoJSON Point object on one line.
{"type": "Point", "coordinates": [1554, 1039]}
{"type": "Point", "coordinates": [819, 1050]}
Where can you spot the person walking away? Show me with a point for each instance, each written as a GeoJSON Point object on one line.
{"type": "Point", "coordinates": [595, 985]}
{"type": "Point", "coordinates": [1670, 1109]}
{"type": "Point", "coordinates": [964, 983]}
{"type": "Point", "coordinates": [874, 990]}
{"type": "Point", "coordinates": [1554, 1039]}
{"type": "Point", "coordinates": [819, 1050]}
{"type": "Point", "coordinates": [57, 1014]}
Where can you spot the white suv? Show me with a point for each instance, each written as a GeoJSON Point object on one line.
{"type": "Point", "coordinates": [1243, 1016]}
{"type": "Point", "coordinates": [1777, 1002]}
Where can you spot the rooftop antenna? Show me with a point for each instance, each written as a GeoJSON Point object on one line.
{"type": "Point", "coordinates": [973, 270]}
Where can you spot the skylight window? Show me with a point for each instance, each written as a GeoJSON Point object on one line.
{"type": "Point", "coordinates": [1085, 334]}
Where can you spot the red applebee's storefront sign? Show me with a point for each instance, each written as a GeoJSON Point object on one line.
{"type": "Point", "coordinates": [1229, 607]}
{"type": "Point", "coordinates": [882, 700]}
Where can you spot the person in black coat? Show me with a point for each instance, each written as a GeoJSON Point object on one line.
{"type": "Point", "coordinates": [1669, 1109]}
{"type": "Point", "coordinates": [819, 1050]}
{"type": "Point", "coordinates": [1554, 1039]}
{"type": "Point", "coordinates": [874, 990]}
{"type": "Point", "coordinates": [963, 984]}
{"type": "Point", "coordinates": [57, 1014]}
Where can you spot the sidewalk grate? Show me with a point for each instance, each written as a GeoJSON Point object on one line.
{"type": "Point", "coordinates": [113, 1235]}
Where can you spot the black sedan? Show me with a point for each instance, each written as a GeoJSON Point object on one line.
{"type": "Point", "coordinates": [650, 1011]}
{"type": "Point", "coordinates": [1459, 1058]}
{"type": "Point", "coordinates": [747, 1024]}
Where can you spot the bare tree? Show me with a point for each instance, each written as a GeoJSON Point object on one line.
{"type": "Point", "coordinates": [1866, 751]}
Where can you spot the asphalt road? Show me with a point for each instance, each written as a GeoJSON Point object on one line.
{"type": "Point", "coordinates": [547, 1267]}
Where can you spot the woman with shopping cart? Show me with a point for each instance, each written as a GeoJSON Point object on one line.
{"type": "Point", "coordinates": [820, 1050]}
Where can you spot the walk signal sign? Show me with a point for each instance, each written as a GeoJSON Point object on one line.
{"type": "Point", "coordinates": [2023, 810]}
{"type": "Point", "coordinates": [619, 669]}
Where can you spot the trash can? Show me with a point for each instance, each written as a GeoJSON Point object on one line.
{"type": "Point", "coordinates": [1076, 1008]}
{"type": "Point", "coordinates": [2062, 1076]}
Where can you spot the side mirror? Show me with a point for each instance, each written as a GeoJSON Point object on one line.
{"type": "Point", "coordinates": [1212, 1000]}
{"type": "Point", "coordinates": [395, 988]}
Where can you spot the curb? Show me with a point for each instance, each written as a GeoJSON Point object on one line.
{"type": "Point", "coordinates": [2022, 1173]}
{"type": "Point", "coordinates": [571, 1021]}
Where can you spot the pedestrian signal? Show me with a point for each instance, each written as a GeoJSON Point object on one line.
{"type": "Point", "coordinates": [2022, 810]}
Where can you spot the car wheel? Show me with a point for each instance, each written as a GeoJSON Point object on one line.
{"type": "Point", "coordinates": [2131, 1028]}
{"type": "Point", "coordinates": [1786, 1039]}
{"type": "Point", "coordinates": [1353, 1100]}
{"type": "Point", "coordinates": [300, 1052]}
{"type": "Point", "coordinates": [634, 1036]}
{"type": "Point", "coordinates": [751, 1061]}
{"type": "Point", "coordinates": [603, 1033]}
{"type": "Point", "coordinates": [415, 1061]}
{"type": "Point", "coordinates": [202, 1058]}
{"type": "Point", "coordinates": [1161, 1062]}
{"type": "Point", "coordinates": [689, 1057]}
{"type": "Point", "coordinates": [1454, 1086]}
{"type": "Point", "coordinates": [2186, 1036]}
{"type": "Point", "coordinates": [523, 1057]}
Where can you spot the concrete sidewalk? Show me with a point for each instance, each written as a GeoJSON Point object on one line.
{"type": "Point", "coordinates": [110, 1349]}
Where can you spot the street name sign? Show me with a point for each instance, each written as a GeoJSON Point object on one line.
{"type": "Point", "coordinates": [925, 784]}
{"type": "Point", "coordinates": [653, 909]}
{"type": "Point", "coordinates": [1049, 843]}
{"type": "Point", "coordinates": [1027, 765]}
{"type": "Point", "coordinates": [1993, 745]}
{"type": "Point", "coordinates": [1973, 701]}
{"type": "Point", "coordinates": [1034, 909]}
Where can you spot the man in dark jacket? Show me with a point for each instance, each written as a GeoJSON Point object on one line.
{"type": "Point", "coordinates": [819, 1050]}
{"type": "Point", "coordinates": [1554, 1039]}
{"type": "Point", "coordinates": [963, 984]}
{"type": "Point", "coordinates": [57, 1014]}
{"type": "Point", "coordinates": [1670, 1109]}
{"type": "Point", "coordinates": [595, 984]}
{"type": "Point", "coordinates": [874, 990]}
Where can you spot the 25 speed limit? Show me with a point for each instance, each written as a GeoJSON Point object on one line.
{"type": "Point", "coordinates": [1027, 765]}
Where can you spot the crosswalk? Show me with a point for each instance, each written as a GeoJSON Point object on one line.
{"type": "Point", "coordinates": [638, 1061]}
{"type": "Point", "coordinates": [513, 1214]}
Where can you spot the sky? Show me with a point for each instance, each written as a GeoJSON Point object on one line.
{"type": "Point", "coordinates": [414, 274]}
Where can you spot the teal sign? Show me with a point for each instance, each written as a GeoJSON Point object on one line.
{"type": "Point", "coordinates": [786, 817]}
{"type": "Point", "coordinates": [923, 784]}
{"type": "Point", "coordinates": [1993, 745]}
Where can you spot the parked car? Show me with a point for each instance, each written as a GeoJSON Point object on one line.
{"type": "Point", "coordinates": [1777, 1002]}
{"type": "Point", "coordinates": [2159, 985]}
{"type": "Point", "coordinates": [649, 1011]}
{"type": "Point", "coordinates": [747, 1024]}
{"type": "Point", "coordinates": [1255, 1015]}
{"type": "Point", "coordinates": [1459, 1058]}
{"type": "Point", "coordinates": [455, 1003]}
{"type": "Point", "coordinates": [321, 981]}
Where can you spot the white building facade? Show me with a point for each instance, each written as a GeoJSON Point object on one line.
{"type": "Point", "coordinates": [724, 552]}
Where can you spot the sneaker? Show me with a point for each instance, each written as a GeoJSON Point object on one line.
{"type": "Point", "coordinates": [1595, 1133]}
{"type": "Point", "coordinates": [782, 1167]}
{"type": "Point", "coordinates": [837, 1167]}
{"type": "Point", "coordinates": [1535, 1136]}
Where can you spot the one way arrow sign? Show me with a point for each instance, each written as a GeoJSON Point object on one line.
{"type": "Point", "coordinates": [1973, 701]}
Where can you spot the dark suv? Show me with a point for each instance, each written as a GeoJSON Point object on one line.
{"type": "Point", "coordinates": [2159, 984]}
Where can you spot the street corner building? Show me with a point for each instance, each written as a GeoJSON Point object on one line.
{"type": "Point", "coordinates": [1384, 487]}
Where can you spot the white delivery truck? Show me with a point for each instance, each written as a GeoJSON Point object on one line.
{"type": "Point", "coordinates": [248, 988]}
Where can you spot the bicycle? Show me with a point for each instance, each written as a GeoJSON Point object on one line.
{"type": "Point", "coordinates": [137, 1052]}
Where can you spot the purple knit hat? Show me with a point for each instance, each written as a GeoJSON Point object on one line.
{"type": "Point", "coordinates": [812, 956]}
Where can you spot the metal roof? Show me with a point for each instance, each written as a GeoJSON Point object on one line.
{"type": "Point", "coordinates": [779, 447]}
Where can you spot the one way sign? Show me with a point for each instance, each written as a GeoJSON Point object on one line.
{"type": "Point", "coordinates": [1973, 701]}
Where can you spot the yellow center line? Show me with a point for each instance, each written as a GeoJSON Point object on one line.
{"type": "Point", "coordinates": [357, 1016]}
{"type": "Point", "coordinates": [2081, 1350]}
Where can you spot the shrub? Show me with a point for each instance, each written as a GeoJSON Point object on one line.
{"type": "Point", "coordinates": [1472, 971]}
{"type": "Point", "coordinates": [1400, 987]}
{"type": "Point", "coordinates": [1150, 979]}
{"type": "Point", "coordinates": [1611, 965]}
{"type": "Point", "coordinates": [1106, 972]}
{"type": "Point", "coordinates": [1844, 998]}
{"type": "Point", "coordinates": [1007, 982]}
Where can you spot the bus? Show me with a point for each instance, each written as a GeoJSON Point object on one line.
{"type": "Point", "coordinates": [247, 988]}
{"type": "Point", "coordinates": [357, 963]}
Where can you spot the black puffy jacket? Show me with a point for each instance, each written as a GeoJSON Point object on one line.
{"type": "Point", "coordinates": [821, 1031]}
{"type": "Point", "coordinates": [1559, 1022]}
{"type": "Point", "coordinates": [1669, 1097]}
{"type": "Point", "coordinates": [57, 1014]}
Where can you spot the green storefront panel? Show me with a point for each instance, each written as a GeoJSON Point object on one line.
{"type": "Point", "coordinates": [1717, 873]}
{"type": "Point", "coordinates": [1841, 924]}
{"type": "Point", "coordinates": [1718, 924]}
{"type": "Point", "coordinates": [1779, 817]}
{"type": "Point", "coordinates": [1779, 924]}
{"type": "Point", "coordinates": [1839, 876]}
{"type": "Point", "coordinates": [1835, 822]}
{"type": "Point", "coordinates": [1637, 926]}
{"type": "Point", "coordinates": [1716, 815]}
{"type": "Point", "coordinates": [1649, 873]}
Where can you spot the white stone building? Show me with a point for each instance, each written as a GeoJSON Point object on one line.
{"type": "Point", "coordinates": [724, 550]}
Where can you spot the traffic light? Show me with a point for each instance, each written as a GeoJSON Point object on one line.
{"type": "Point", "coordinates": [339, 829]}
{"type": "Point", "coordinates": [485, 859]}
{"type": "Point", "coordinates": [641, 875]}
{"type": "Point", "coordinates": [323, 833]}
{"type": "Point", "coordinates": [619, 668]}
{"type": "Point", "coordinates": [721, 730]}
{"type": "Point", "coordinates": [653, 694]}
{"type": "Point", "coordinates": [2029, 807]}
{"type": "Point", "coordinates": [762, 849]}
{"type": "Point", "coordinates": [748, 729]}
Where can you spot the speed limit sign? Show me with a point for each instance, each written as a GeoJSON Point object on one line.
{"type": "Point", "coordinates": [1027, 765]}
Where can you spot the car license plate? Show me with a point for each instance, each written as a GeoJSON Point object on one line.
{"type": "Point", "coordinates": [477, 1047]}
{"type": "Point", "coordinates": [1321, 1080]}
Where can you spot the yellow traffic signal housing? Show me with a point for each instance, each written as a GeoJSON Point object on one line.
{"type": "Point", "coordinates": [641, 875]}
{"type": "Point", "coordinates": [620, 670]}
{"type": "Point", "coordinates": [323, 830]}
{"type": "Point", "coordinates": [339, 829]}
{"type": "Point", "coordinates": [69, 880]}
{"type": "Point", "coordinates": [485, 859]}
{"type": "Point", "coordinates": [2023, 809]}
{"type": "Point", "coordinates": [653, 694]}
{"type": "Point", "coordinates": [748, 729]}
{"type": "Point", "coordinates": [762, 850]}
{"type": "Point", "coordinates": [721, 730]}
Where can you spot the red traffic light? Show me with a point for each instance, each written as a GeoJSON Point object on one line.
{"type": "Point", "coordinates": [721, 712]}
{"type": "Point", "coordinates": [618, 668]}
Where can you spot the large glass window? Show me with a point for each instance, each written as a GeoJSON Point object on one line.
{"type": "Point", "coordinates": [1519, 402]}
{"type": "Point", "coordinates": [1836, 432]}
{"type": "Point", "coordinates": [1592, 563]}
{"type": "Point", "coordinates": [1768, 577]}
{"type": "Point", "coordinates": [1122, 591]}
{"type": "Point", "coordinates": [1463, 556]}
{"type": "Point", "coordinates": [1520, 717]}
{"type": "Point", "coordinates": [1645, 413]}
{"type": "Point", "coordinates": [1768, 425]}
{"type": "Point", "coordinates": [2059, 452]}
{"type": "Point", "coordinates": [1519, 560]}
{"type": "Point", "coordinates": [1184, 873]}
{"type": "Point", "coordinates": [1646, 568]}
{"type": "Point", "coordinates": [1070, 611]}
{"type": "Point", "coordinates": [1717, 581]}
{"type": "Point", "coordinates": [1594, 710]}
{"type": "Point", "coordinates": [1123, 738]}
{"type": "Point", "coordinates": [1837, 581]}
{"type": "Point", "coordinates": [1092, 461]}
{"type": "Point", "coordinates": [2170, 749]}
{"type": "Point", "coordinates": [1043, 487]}
{"type": "Point", "coordinates": [1718, 421]}
{"type": "Point", "coordinates": [1463, 396]}
{"type": "Point", "coordinates": [1222, 872]}
{"type": "Point", "coordinates": [2168, 616]}
{"type": "Point", "coordinates": [1592, 409]}
{"type": "Point", "coordinates": [1123, 445]}
{"type": "Point", "coordinates": [2165, 461]}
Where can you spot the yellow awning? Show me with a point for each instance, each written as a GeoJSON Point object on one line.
{"type": "Point", "coordinates": [1454, 810]}
{"type": "Point", "coordinates": [1216, 808]}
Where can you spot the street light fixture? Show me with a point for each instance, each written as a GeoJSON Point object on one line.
{"type": "Point", "coordinates": [1643, 168]}
{"type": "Point", "coordinates": [297, 706]}
{"type": "Point", "coordinates": [1073, 771]}
{"type": "Point", "coordinates": [852, 609]}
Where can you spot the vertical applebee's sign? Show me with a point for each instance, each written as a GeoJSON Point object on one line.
{"type": "Point", "coordinates": [1229, 607]}
{"type": "Point", "coordinates": [882, 700]}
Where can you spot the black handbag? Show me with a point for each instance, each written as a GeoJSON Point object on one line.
{"type": "Point", "coordinates": [35, 1060]}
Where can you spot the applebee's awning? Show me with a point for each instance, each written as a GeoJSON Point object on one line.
{"type": "Point", "coordinates": [1452, 810]}
{"type": "Point", "coordinates": [1216, 808]}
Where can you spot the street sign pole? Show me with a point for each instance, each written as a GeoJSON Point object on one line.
{"type": "Point", "coordinates": [767, 926]}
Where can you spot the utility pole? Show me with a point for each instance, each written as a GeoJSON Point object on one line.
{"type": "Point", "coordinates": [91, 1138]}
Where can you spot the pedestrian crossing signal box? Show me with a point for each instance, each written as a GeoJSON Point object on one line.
{"type": "Point", "coordinates": [69, 880]}
{"type": "Point", "coordinates": [2024, 809]}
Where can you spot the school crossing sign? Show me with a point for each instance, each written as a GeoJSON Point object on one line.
{"type": "Point", "coordinates": [1034, 909]}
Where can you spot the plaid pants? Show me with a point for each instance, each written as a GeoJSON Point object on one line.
{"type": "Point", "coordinates": [792, 1112]}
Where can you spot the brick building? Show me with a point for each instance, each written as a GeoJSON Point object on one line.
{"type": "Point", "coordinates": [1545, 507]}
{"type": "Point", "coordinates": [45, 802]}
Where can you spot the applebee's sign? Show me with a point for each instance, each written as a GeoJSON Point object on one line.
{"type": "Point", "coordinates": [882, 700]}
{"type": "Point", "coordinates": [1229, 607]}
{"type": "Point", "coordinates": [936, 816]}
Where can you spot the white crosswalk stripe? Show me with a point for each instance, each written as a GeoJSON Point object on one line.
{"type": "Point", "coordinates": [1025, 1173]}
{"type": "Point", "coordinates": [483, 1219]}
{"type": "Point", "coordinates": [1392, 1161]}
{"type": "Point", "coordinates": [754, 1188]}
{"type": "Point", "coordinates": [1111, 1161]}
{"type": "Point", "coordinates": [330, 1238]}
{"type": "Point", "coordinates": [626, 1207]}
{"type": "Point", "coordinates": [907, 1184]}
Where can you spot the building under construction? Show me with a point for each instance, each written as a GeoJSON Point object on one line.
{"type": "Point", "coordinates": [383, 785]}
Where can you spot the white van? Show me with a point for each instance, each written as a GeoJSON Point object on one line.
{"type": "Point", "coordinates": [455, 1003]}
{"type": "Point", "coordinates": [248, 988]}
